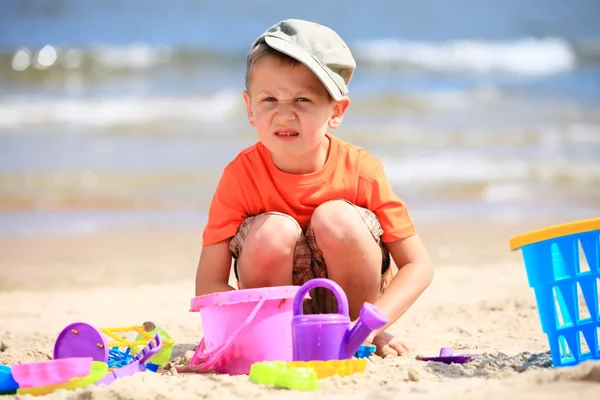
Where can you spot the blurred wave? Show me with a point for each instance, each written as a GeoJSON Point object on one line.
{"type": "Point", "coordinates": [117, 111]}
{"type": "Point", "coordinates": [528, 56]}
{"type": "Point", "coordinates": [126, 112]}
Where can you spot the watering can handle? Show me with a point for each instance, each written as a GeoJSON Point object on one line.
{"type": "Point", "coordinates": [336, 289]}
{"type": "Point", "coordinates": [209, 359]}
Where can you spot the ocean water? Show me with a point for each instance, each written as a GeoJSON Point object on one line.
{"type": "Point", "coordinates": [122, 114]}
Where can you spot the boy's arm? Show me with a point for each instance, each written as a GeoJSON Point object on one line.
{"type": "Point", "coordinates": [214, 268]}
{"type": "Point", "coordinates": [415, 273]}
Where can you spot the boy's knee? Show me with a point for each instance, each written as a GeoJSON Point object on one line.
{"type": "Point", "coordinates": [270, 240]}
{"type": "Point", "coordinates": [336, 223]}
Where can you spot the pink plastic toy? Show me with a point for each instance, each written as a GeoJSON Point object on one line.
{"type": "Point", "coordinates": [242, 327]}
{"type": "Point", "coordinates": [51, 372]}
{"type": "Point", "coordinates": [328, 336]}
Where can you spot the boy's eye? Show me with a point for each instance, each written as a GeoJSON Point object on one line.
{"type": "Point", "coordinates": [302, 99]}
{"type": "Point", "coordinates": [269, 99]}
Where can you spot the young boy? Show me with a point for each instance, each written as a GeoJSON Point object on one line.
{"type": "Point", "coordinates": [301, 203]}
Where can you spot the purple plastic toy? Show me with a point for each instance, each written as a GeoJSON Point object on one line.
{"type": "Point", "coordinates": [81, 339]}
{"type": "Point", "coordinates": [328, 336]}
{"type": "Point", "coordinates": [136, 366]}
{"type": "Point", "coordinates": [447, 357]}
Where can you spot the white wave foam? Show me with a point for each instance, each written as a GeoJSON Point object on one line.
{"type": "Point", "coordinates": [448, 168]}
{"type": "Point", "coordinates": [106, 112]}
{"type": "Point", "coordinates": [457, 169]}
{"type": "Point", "coordinates": [134, 56]}
{"type": "Point", "coordinates": [522, 57]}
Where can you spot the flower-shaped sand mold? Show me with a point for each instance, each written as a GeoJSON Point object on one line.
{"type": "Point", "coordinates": [277, 373]}
{"type": "Point", "coordinates": [302, 375]}
{"type": "Point", "coordinates": [329, 368]}
{"type": "Point", "coordinates": [51, 372]}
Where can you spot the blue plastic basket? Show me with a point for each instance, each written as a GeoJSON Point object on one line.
{"type": "Point", "coordinates": [563, 268]}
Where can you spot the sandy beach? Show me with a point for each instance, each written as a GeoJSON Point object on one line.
{"type": "Point", "coordinates": [479, 304]}
{"type": "Point", "coordinates": [117, 119]}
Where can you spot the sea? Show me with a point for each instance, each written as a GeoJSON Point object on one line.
{"type": "Point", "coordinates": [121, 114]}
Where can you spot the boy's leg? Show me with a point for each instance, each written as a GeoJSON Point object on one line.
{"type": "Point", "coordinates": [264, 248]}
{"type": "Point", "coordinates": [346, 247]}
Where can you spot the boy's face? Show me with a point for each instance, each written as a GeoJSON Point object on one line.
{"type": "Point", "coordinates": [291, 110]}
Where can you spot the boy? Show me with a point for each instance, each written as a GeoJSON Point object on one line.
{"type": "Point", "coordinates": [301, 203]}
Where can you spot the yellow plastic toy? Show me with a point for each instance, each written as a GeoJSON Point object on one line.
{"type": "Point", "coordinates": [554, 232]}
{"type": "Point", "coordinates": [325, 369]}
{"type": "Point", "coordinates": [145, 333]}
{"type": "Point", "coordinates": [302, 375]}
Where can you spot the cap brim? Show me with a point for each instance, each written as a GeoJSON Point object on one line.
{"type": "Point", "coordinates": [305, 58]}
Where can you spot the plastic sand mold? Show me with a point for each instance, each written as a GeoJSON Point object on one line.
{"type": "Point", "coordinates": [325, 369]}
{"type": "Point", "coordinates": [98, 371]}
{"type": "Point", "coordinates": [365, 351]}
{"type": "Point", "coordinates": [276, 373]}
{"type": "Point", "coordinates": [447, 357]}
{"type": "Point", "coordinates": [51, 372]}
{"type": "Point", "coordinates": [8, 385]}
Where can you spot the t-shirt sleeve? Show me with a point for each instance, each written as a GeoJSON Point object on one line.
{"type": "Point", "coordinates": [376, 194]}
{"type": "Point", "coordinates": [227, 209]}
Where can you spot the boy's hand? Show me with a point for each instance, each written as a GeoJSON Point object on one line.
{"type": "Point", "coordinates": [388, 345]}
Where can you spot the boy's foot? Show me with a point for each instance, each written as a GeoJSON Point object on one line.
{"type": "Point", "coordinates": [389, 345]}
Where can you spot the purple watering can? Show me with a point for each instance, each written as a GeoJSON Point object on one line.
{"type": "Point", "coordinates": [328, 336]}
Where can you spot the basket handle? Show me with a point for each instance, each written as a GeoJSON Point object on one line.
{"type": "Point", "coordinates": [209, 359]}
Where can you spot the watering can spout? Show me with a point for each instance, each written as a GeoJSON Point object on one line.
{"type": "Point", "coordinates": [370, 318]}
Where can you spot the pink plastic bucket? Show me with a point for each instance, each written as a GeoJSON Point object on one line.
{"type": "Point", "coordinates": [242, 327]}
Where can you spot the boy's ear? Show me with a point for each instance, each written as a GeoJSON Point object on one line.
{"type": "Point", "coordinates": [248, 107]}
{"type": "Point", "coordinates": [337, 114]}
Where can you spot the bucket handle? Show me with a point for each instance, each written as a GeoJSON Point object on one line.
{"type": "Point", "coordinates": [209, 359]}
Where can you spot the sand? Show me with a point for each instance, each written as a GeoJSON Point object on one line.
{"type": "Point", "coordinates": [479, 304]}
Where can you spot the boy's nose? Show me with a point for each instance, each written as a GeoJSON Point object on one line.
{"type": "Point", "coordinates": [285, 113]}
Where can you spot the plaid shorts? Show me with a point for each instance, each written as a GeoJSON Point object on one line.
{"type": "Point", "coordinates": [309, 262]}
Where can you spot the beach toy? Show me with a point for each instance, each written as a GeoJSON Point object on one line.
{"type": "Point", "coordinates": [8, 385]}
{"type": "Point", "coordinates": [81, 339]}
{"type": "Point", "coordinates": [278, 374]}
{"type": "Point", "coordinates": [98, 371]}
{"type": "Point", "coordinates": [328, 336]}
{"type": "Point", "coordinates": [139, 365]}
{"type": "Point", "coordinates": [51, 372]}
{"type": "Point", "coordinates": [365, 351]}
{"type": "Point", "coordinates": [562, 263]}
{"type": "Point", "coordinates": [266, 372]}
{"type": "Point", "coordinates": [118, 358]}
{"type": "Point", "coordinates": [150, 329]}
{"type": "Point", "coordinates": [242, 327]}
{"type": "Point", "coordinates": [447, 357]}
{"type": "Point", "coordinates": [325, 369]}
{"type": "Point", "coordinates": [298, 379]}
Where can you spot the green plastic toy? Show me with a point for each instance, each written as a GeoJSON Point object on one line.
{"type": "Point", "coordinates": [163, 357]}
{"type": "Point", "coordinates": [277, 373]}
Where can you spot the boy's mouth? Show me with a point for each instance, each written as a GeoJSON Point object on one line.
{"type": "Point", "coordinates": [286, 133]}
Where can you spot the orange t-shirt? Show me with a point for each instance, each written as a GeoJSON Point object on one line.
{"type": "Point", "coordinates": [251, 185]}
